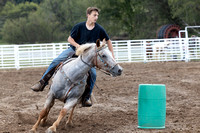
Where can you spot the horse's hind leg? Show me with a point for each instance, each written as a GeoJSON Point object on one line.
{"type": "Point", "coordinates": [43, 114]}
{"type": "Point", "coordinates": [69, 121]}
{"type": "Point", "coordinates": [45, 118]}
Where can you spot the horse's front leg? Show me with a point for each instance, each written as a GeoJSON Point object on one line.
{"type": "Point", "coordinates": [41, 116]}
{"type": "Point", "coordinates": [62, 114]}
{"type": "Point", "coordinates": [52, 129]}
{"type": "Point", "coordinates": [69, 121]}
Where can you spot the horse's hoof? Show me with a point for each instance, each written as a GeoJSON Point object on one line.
{"type": "Point", "coordinates": [32, 131]}
{"type": "Point", "coordinates": [69, 124]}
{"type": "Point", "coordinates": [42, 123]}
{"type": "Point", "coordinates": [50, 130]}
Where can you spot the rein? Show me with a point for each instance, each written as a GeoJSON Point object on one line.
{"type": "Point", "coordinates": [105, 64]}
{"type": "Point", "coordinates": [85, 62]}
{"type": "Point", "coordinates": [102, 60]}
{"type": "Point", "coordinates": [96, 64]}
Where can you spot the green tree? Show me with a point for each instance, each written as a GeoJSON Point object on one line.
{"type": "Point", "coordinates": [2, 18]}
{"type": "Point", "coordinates": [29, 30]}
{"type": "Point", "coordinates": [12, 11]}
{"type": "Point", "coordinates": [66, 13]}
{"type": "Point", "coordinates": [186, 10]}
{"type": "Point", "coordinates": [121, 18]}
{"type": "Point", "coordinates": [136, 19]}
{"type": "Point", "coordinates": [52, 20]}
{"type": "Point", "coordinates": [155, 13]}
{"type": "Point", "coordinates": [15, 19]}
{"type": "Point", "coordinates": [23, 1]}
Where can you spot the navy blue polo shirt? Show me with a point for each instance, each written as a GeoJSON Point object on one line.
{"type": "Point", "coordinates": [82, 35]}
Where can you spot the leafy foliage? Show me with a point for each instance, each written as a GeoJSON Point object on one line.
{"type": "Point", "coordinates": [36, 21]}
{"type": "Point", "coordinates": [12, 11]}
{"type": "Point", "coordinates": [23, 1]}
{"type": "Point", "coordinates": [187, 11]}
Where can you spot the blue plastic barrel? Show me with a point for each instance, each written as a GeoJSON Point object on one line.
{"type": "Point", "coordinates": [151, 106]}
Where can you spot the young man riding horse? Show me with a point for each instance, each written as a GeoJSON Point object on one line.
{"type": "Point", "coordinates": [81, 33]}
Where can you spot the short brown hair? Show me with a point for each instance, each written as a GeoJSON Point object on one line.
{"type": "Point", "coordinates": [90, 9]}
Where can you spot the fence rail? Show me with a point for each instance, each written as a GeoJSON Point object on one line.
{"type": "Point", "coordinates": [149, 50]}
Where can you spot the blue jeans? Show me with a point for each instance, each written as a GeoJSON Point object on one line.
{"type": "Point", "coordinates": [68, 53]}
{"type": "Point", "coordinates": [62, 57]}
{"type": "Point", "coordinates": [92, 79]}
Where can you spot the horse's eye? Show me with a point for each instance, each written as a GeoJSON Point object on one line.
{"type": "Point", "coordinates": [104, 56]}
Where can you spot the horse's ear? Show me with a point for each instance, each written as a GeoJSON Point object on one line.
{"type": "Point", "coordinates": [104, 42]}
{"type": "Point", "coordinates": [98, 43]}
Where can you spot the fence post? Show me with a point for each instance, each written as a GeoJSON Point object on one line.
{"type": "Point", "coordinates": [61, 48]}
{"type": "Point", "coordinates": [16, 54]}
{"type": "Point", "coordinates": [129, 51]}
{"type": "Point", "coordinates": [144, 51]}
{"type": "Point", "coordinates": [116, 50]}
{"type": "Point", "coordinates": [1, 55]}
{"type": "Point", "coordinates": [187, 56]}
{"type": "Point", "coordinates": [181, 48]}
{"type": "Point", "coordinates": [54, 50]}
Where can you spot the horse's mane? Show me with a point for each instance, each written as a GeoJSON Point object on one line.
{"type": "Point", "coordinates": [82, 48]}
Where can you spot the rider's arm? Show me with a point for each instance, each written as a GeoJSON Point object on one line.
{"type": "Point", "coordinates": [110, 47]}
{"type": "Point", "coordinates": [72, 42]}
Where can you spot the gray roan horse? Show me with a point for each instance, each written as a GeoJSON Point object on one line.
{"type": "Point", "coordinates": [68, 84]}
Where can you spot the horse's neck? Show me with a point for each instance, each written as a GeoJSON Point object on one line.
{"type": "Point", "coordinates": [88, 57]}
{"type": "Point", "coordinates": [86, 60]}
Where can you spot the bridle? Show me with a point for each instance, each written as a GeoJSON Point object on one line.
{"type": "Point", "coordinates": [97, 55]}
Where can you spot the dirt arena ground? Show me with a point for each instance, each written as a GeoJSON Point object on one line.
{"type": "Point", "coordinates": [117, 100]}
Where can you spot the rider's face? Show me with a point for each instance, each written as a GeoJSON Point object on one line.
{"type": "Point", "coordinates": [93, 16]}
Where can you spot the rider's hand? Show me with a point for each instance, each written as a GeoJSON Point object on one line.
{"type": "Point", "coordinates": [77, 46]}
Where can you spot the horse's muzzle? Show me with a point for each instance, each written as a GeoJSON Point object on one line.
{"type": "Point", "coordinates": [116, 70]}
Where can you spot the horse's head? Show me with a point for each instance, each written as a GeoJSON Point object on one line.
{"type": "Point", "coordinates": [105, 61]}
{"type": "Point", "coordinates": [98, 55]}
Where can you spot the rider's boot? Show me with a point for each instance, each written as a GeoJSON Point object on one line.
{"type": "Point", "coordinates": [86, 97]}
{"type": "Point", "coordinates": [86, 103]}
{"type": "Point", "coordinates": [40, 85]}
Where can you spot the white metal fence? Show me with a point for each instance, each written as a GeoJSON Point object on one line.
{"type": "Point", "coordinates": [149, 50]}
